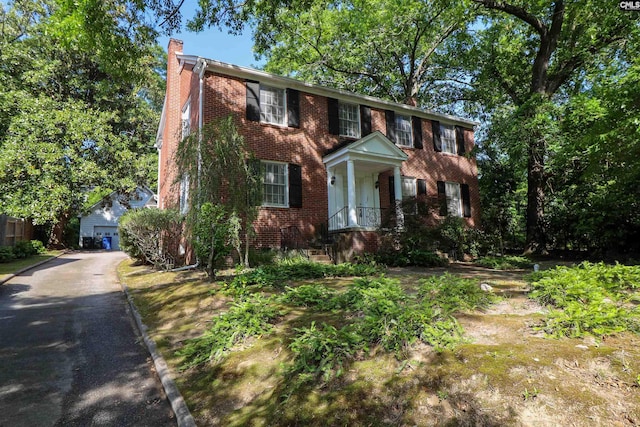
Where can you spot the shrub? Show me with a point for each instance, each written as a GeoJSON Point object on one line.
{"type": "Point", "coordinates": [505, 262]}
{"type": "Point", "coordinates": [149, 235]}
{"type": "Point", "coordinates": [588, 299]}
{"type": "Point", "coordinates": [27, 248]}
{"type": "Point", "coordinates": [6, 254]}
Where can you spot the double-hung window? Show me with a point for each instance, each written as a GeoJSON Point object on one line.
{"type": "Point", "coordinates": [275, 182]}
{"type": "Point", "coordinates": [454, 199]}
{"type": "Point", "coordinates": [408, 188]}
{"type": "Point", "coordinates": [403, 130]}
{"type": "Point", "coordinates": [184, 194]}
{"type": "Point", "coordinates": [448, 135]}
{"type": "Point", "coordinates": [272, 105]}
{"type": "Point", "coordinates": [186, 120]}
{"type": "Point", "coordinates": [349, 117]}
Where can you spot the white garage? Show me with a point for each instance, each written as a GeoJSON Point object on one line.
{"type": "Point", "coordinates": [99, 226]}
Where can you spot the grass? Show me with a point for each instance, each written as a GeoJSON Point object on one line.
{"type": "Point", "coordinates": [500, 372]}
{"type": "Point", "coordinates": [14, 266]}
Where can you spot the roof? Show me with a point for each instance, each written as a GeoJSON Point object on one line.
{"type": "Point", "coordinates": [273, 79]}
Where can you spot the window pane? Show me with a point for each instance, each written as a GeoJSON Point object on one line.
{"type": "Point", "coordinates": [349, 115]}
{"type": "Point", "coordinates": [403, 131]}
{"type": "Point", "coordinates": [454, 206]}
{"type": "Point", "coordinates": [408, 187]}
{"type": "Point", "coordinates": [275, 184]}
{"type": "Point", "coordinates": [448, 135]}
{"type": "Point", "coordinates": [272, 105]}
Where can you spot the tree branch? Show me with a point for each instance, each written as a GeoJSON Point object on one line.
{"type": "Point", "coordinates": [516, 11]}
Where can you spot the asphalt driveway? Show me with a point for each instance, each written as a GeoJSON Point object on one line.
{"type": "Point", "coordinates": [69, 351]}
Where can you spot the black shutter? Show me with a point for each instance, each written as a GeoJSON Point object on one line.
{"type": "Point", "coordinates": [390, 118]}
{"type": "Point", "coordinates": [392, 192]}
{"type": "Point", "coordinates": [466, 200]}
{"type": "Point", "coordinates": [442, 198]}
{"type": "Point", "coordinates": [416, 124]}
{"type": "Point", "coordinates": [460, 140]}
{"type": "Point", "coordinates": [334, 120]}
{"type": "Point", "coordinates": [293, 108]}
{"type": "Point", "coordinates": [365, 120]}
{"type": "Point", "coordinates": [253, 101]}
{"type": "Point", "coordinates": [435, 131]}
{"type": "Point", "coordinates": [295, 186]}
{"type": "Point", "coordinates": [422, 187]}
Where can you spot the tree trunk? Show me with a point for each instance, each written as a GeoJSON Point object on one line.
{"type": "Point", "coordinates": [536, 237]}
{"type": "Point", "coordinates": [56, 235]}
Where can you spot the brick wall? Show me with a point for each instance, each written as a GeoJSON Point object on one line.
{"type": "Point", "coordinates": [304, 146]}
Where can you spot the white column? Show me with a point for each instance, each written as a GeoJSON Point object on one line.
{"type": "Point", "coordinates": [330, 194]}
{"type": "Point", "coordinates": [351, 192]}
{"type": "Point", "coordinates": [397, 187]}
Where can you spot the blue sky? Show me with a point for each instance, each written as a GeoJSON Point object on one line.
{"type": "Point", "coordinates": [214, 43]}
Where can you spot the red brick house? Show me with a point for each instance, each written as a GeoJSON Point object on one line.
{"type": "Point", "coordinates": [331, 159]}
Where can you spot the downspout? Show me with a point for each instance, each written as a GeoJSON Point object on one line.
{"type": "Point", "coordinates": [201, 65]}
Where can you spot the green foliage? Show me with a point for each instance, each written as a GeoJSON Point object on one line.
{"type": "Point", "coordinates": [77, 87]}
{"type": "Point", "coordinates": [346, 45]}
{"type": "Point", "coordinates": [450, 293]}
{"type": "Point", "coordinates": [385, 315]}
{"type": "Point", "coordinates": [325, 350]}
{"type": "Point", "coordinates": [220, 170]}
{"type": "Point", "coordinates": [149, 234]}
{"type": "Point", "coordinates": [22, 249]}
{"type": "Point", "coordinates": [276, 275]}
{"type": "Point", "coordinates": [251, 317]}
{"type": "Point", "coordinates": [589, 299]}
{"type": "Point", "coordinates": [214, 233]}
{"type": "Point", "coordinates": [314, 295]}
{"type": "Point", "coordinates": [6, 254]}
{"type": "Point", "coordinates": [505, 262]}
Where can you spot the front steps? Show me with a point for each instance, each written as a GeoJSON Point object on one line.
{"type": "Point", "coordinates": [319, 256]}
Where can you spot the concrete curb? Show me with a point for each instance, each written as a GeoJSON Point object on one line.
{"type": "Point", "coordinates": [38, 264]}
{"type": "Point", "coordinates": [183, 416]}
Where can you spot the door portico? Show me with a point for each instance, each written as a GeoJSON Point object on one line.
{"type": "Point", "coordinates": [352, 181]}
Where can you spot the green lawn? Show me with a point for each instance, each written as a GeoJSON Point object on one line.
{"type": "Point", "coordinates": [11, 267]}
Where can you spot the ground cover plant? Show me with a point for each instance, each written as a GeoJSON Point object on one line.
{"type": "Point", "coordinates": [505, 262]}
{"type": "Point", "coordinates": [592, 299]}
{"type": "Point", "coordinates": [412, 347]}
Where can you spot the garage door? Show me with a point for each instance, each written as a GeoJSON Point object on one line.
{"type": "Point", "coordinates": [110, 231]}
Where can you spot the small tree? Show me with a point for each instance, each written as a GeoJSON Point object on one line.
{"type": "Point", "coordinates": [215, 230]}
{"type": "Point", "coordinates": [222, 171]}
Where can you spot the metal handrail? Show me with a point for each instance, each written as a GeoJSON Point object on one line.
{"type": "Point", "coordinates": [366, 217]}
{"type": "Point", "coordinates": [338, 220]}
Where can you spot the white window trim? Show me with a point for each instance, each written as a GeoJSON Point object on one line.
{"type": "Point", "coordinates": [285, 118]}
{"type": "Point", "coordinates": [449, 145]}
{"type": "Point", "coordinates": [358, 123]}
{"type": "Point", "coordinates": [451, 198]}
{"type": "Point", "coordinates": [185, 123]}
{"type": "Point", "coordinates": [286, 184]}
{"type": "Point", "coordinates": [398, 131]}
{"type": "Point", "coordinates": [184, 194]}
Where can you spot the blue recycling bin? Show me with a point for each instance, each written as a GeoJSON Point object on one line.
{"type": "Point", "coordinates": [106, 243]}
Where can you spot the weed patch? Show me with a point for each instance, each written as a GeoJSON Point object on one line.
{"type": "Point", "coordinates": [505, 262]}
{"type": "Point", "coordinates": [588, 299]}
{"type": "Point", "coordinates": [246, 318]}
